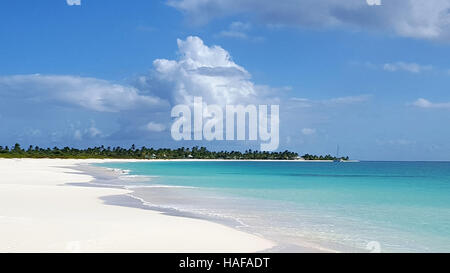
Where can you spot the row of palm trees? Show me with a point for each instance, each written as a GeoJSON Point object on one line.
{"type": "Point", "coordinates": [148, 153]}
{"type": "Point", "coordinates": [138, 153]}
{"type": "Point", "coordinates": [321, 157]}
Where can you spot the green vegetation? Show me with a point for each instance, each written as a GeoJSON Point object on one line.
{"type": "Point", "coordinates": [327, 157]}
{"type": "Point", "coordinates": [147, 153]}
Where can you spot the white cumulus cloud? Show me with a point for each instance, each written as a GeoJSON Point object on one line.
{"type": "Point", "coordinates": [88, 133]}
{"type": "Point", "coordinates": [201, 70]}
{"type": "Point", "coordinates": [73, 2]}
{"type": "Point", "coordinates": [408, 67]}
{"type": "Point", "coordinates": [155, 127]}
{"type": "Point", "coordinates": [236, 30]}
{"type": "Point", "coordinates": [373, 2]}
{"type": "Point", "coordinates": [423, 103]}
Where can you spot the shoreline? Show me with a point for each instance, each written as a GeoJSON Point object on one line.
{"type": "Point", "coordinates": [106, 160]}
{"type": "Point", "coordinates": [281, 245]}
{"type": "Point", "coordinates": [44, 208]}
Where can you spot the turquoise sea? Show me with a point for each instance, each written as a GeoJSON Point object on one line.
{"type": "Point", "coordinates": [357, 207]}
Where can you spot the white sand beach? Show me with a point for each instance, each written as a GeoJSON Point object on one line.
{"type": "Point", "coordinates": [39, 212]}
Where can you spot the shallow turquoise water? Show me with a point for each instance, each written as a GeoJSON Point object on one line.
{"type": "Point", "coordinates": [403, 206]}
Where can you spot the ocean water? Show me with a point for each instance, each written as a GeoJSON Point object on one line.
{"type": "Point", "coordinates": [356, 207]}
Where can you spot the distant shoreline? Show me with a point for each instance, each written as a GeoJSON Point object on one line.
{"type": "Point", "coordinates": [133, 152]}
{"type": "Point", "coordinates": [181, 160]}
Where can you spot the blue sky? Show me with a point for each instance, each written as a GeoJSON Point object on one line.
{"type": "Point", "coordinates": [373, 79]}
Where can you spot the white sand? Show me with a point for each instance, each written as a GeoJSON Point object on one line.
{"type": "Point", "coordinates": [39, 213]}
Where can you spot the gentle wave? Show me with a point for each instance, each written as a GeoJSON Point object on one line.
{"type": "Point", "coordinates": [402, 205]}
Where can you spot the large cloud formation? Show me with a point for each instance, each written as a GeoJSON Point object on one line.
{"type": "Point", "coordinates": [203, 71]}
{"type": "Point", "coordinates": [133, 110]}
{"type": "Point", "coordinates": [407, 18]}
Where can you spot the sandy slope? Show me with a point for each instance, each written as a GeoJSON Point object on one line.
{"type": "Point", "coordinates": [39, 213]}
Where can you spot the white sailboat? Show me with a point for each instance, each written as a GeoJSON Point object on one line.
{"type": "Point", "coordinates": [337, 155]}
